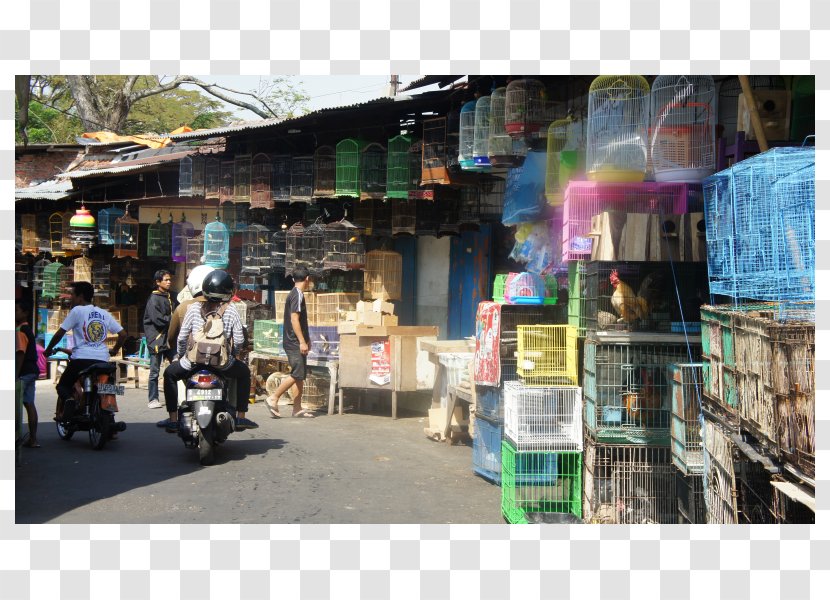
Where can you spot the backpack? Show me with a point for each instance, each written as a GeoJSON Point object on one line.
{"type": "Point", "coordinates": [209, 346]}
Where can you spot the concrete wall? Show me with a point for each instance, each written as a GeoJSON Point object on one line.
{"type": "Point", "coordinates": [432, 292]}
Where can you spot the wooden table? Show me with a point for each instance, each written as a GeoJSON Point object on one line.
{"type": "Point", "coordinates": [454, 394]}
{"type": "Point", "coordinates": [333, 367]}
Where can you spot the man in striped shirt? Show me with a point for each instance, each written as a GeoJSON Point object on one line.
{"type": "Point", "coordinates": [218, 290]}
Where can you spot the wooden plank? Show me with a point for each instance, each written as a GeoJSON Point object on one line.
{"type": "Point", "coordinates": [436, 346]}
{"type": "Point", "coordinates": [635, 237]}
{"type": "Point", "coordinates": [366, 331]}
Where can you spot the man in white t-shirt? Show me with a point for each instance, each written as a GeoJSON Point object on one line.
{"type": "Point", "coordinates": [90, 326]}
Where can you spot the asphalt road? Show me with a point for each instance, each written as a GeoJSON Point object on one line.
{"type": "Point", "coordinates": [354, 468]}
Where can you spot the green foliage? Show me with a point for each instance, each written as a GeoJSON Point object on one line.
{"type": "Point", "coordinates": [162, 113]}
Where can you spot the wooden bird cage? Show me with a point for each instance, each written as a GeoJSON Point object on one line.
{"type": "Point", "coordinates": [226, 170]}
{"type": "Point", "coordinates": [302, 178]}
{"type": "Point", "coordinates": [242, 178]}
{"type": "Point", "coordinates": [373, 172]}
{"type": "Point", "coordinates": [82, 269]}
{"type": "Point", "coordinates": [434, 157]}
{"type": "Point", "coordinates": [348, 167]}
{"type": "Point", "coordinates": [325, 171]}
{"type": "Point", "coordinates": [525, 107]}
{"type": "Point", "coordinates": [217, 244]}
{"type": "Point", "coordinates": [195, 251]}
{"type": "Point", "coordinates": [310, 253]}
{"type": "Point", "coordinates": [158, 239]}
{"type": "Point", "coordinates": [403, 216]}
{"type": "Point", "coordinates": [278, 249]}
{"type": "Point", "coordinates": [235, 216]}
{"type": "Point", "coordinates": [101, 280]}
{"type": "Point", "coordinates": [197, 187]}
{"type": "Point", "coordinates": [181, 233]}
{"type": "Point", "coordinates": [362, 216]}
{"type": "Point", "coordinates": [29, 239]}
{"type": "Point", "coordinates": [281, 178]}
{"type": "Point", "coordinates": [261, 194]}
{"type": "Point", "coordinates": [213, 171]}
{"type": "Point", "coordinates": [344, 247]}
{"type": "Point", "coordinates": [185, 177]}
{"type": "Point", "coordinates": [52, 279]}
{"type": "Point", "coordinates": [58, 233]}
{"type": "Point", "coordinates": [382, 278]}
{"type": "Point", "coordinates": [38, 274]}
{"type": "Point", "coordinates": [106, 225]}
{"type": "Point", "coordinates": [403, 166]}
{"type": "Point", "coordinates": [126, 237]}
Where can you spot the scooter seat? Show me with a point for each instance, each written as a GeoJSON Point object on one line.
{"type": "Point", "coordinates": [99, 368]}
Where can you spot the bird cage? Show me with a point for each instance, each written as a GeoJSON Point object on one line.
{"type": "Point", "coordinates": [469, 213]}
{"type": "Point", "coordinates": [310, 253]}
{"type": "Point", "coordinates": [82, 228]}
{"type": "Point", "coordinates": [185, 177]}
{"type": "Point", "coordinates": [547, 355]}
{"type": "Point", "coordinates": [29, 239]}
{"type": "Point", "coordinates": [525, 107]}
{"type": "Point", "coordinates": [106, 224]}
{"type": "Point", "coordinates": [21, 270]}
{"type": "Point", "coordinates": [466, 136]}
{"type": "Point", "coordinates": [682, 135]}
{"type": "Point", "coordinates": [280, 178]}
{"type": "Point", "coordinates": [278, 249]}
{"type": "Point", "coordinates": [56, 234]}
{"type": "Point", "coordinates": [691, 505]}
{"type": "Point", "coordinates": [242, 178]}
{"type": "Point", "coordinates": [261, 194]}
{"type": "Point", "coordinates": [503, 151]}
{"type": "Point", "coordinates": [362, 216]}
{"type": "Point", "coordinates": [226, 172]}
{"type": "Point", "coordinates": [448, 208]}
{"type": "Point", "coordinates": [126, 237]}
{"type": "Point", "coordinates": [373, 172]}
{"type": "Point", "coordinates": [491, 198]}
{"type": "Point", "coordinates": [344, 247]}
{"type": "Point", "coordinates": [403, 216]}
{"type": "Point", "coordinates": [235, 216]}
{"type": "Point", "coordinates": [543, 418]}
{"type": "Point", "coordinates": [256, 250]}
{"type": "Point", "coordinates": [626, 387]}
{"type": "Point", "coordinates": [402, 167]}
{"type": "Point", "coordinates": [213, 171]}
{"type": "Point", "coordinates": [198, 179]}
{"type": "Point", "coordinates": [195, 251]}
{"type": "Point", "coordinates": [181, 233]}
{"type": "Point", "coordinates": [382, 278]}
{"type": "Point", "coordinates": [381, 217]}
{"type": "Point", "coordinates": [481, 135]}
{"type": "Point", "coordinates": [293, 243]}
{"type": "Point", "coordinates": [348, 167]}
{"type": "Point", "coordinates": [52, 279]}
{"type": "Point", "coordinates": [331, 308]}
{"type": "Point", "coordinates": [557, 136]}
{"type": "Point", "coordinates": [158, 238]}
{"type": "Point", "coordinates": [686, 395]}
{"type": "Point", "coordinates": [435, 152]}
{"type": "Point", "coordinates": [325, 171]}
{"type": "Point", "coordinates": [101, 280]}
{"type": "Point", "coordinates": [82, 269]}
{"type": "Point", "coordinates": [217, 244]}
{"type": "Point", "coordinates": [728, 94]}
{"type": "Point", "coordinates": [426, 212]}
{"type": "Point", "coordinates": [38, 275]}
{"type": "Point", "coordinates": [617, 128]}
{"type": "Point", "coordinates": [302, 178]}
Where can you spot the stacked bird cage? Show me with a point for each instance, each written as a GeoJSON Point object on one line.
{"type": "Point", "coordinates": [29, 239]}
{"type": "Point", "coordinates": [682, 135]}
{"type": "Point", "coordinates": [447, 212]}
{"type": "Point", "coordinates": [268, 336]}
{"type": "Point", "coordinates": [217, 244]}
{"type": "Point", "coordinates": [226, 169]}
{"type": "Point", "coordinates": [626, 386]}
{"type": "Point", "coordinates": [107, 218]}
{"type": "Point", "coordinates": [347, 158]}
{"type": "Point", "coordinates": [185, 177]}
{"type": "Point", "coordinates": [373, 172]}
{"type": "Point", "coordinates": [426, 216]}
{"type": "Point", "coordinates": [481, 136]}
{"type": "Point", "coordinates": [38, 274]}
{"type": "Point", "coordinates": [181, 233]}
{"type": "Point", "coordinates": [158, 238]}
{"type": "Point", "coordinates": [305, 249]}
{"type": "Point", "coordinates": [526, 108]}
{"type": "Point", "coordinates": [617, 128]}
{"type": "Point", "coordinates": [341, 281]}
{"type": "Point", "coordinates": [293, 241]}
{"type": "Point", "coordinates": [686, 397]}
{"type": "Point", "coordinates": [538, 419]}
{"type": "Point", "coordinates": [343, 246]}
{"type": "Point", "coordinates": [82, 269]}
{"type": "Point", "coordinates": [213, 172]}
{"type": "Point", "coordinates": [469, 212]}
{"type": "Point", "coordinates": [547, 355]}
{"type": "Point", "coordinates": [242, 178]}
{"type": "Point", "coordinates": [257, 256]}
{"type": "Point", "coordinates": [331, 308]}
{"type": "Point", "coordinates": [261, 194]}
{"type": "Point", "coordinates": [729, 92]}
{"type": "Point", "coordinates": [101, 281]}
{"type": "Point", "coordinates": [302, 178]}
{"type": "Point", "coordinates": [310, 299]}
{"type": "Point", "coordinates": [382, 278]}
{"type": "Point", "coordinates": [503, 151]}
{"type": "Point", "coordinates": [719, 485]}
{"type": "Point", "coordinates": [280, 178]}
{"type": "Point", "coordinates": [126, 237]}
{"type": "Point", "coordinates": [434, 159]}
{"type": "Point", "coordinates": [577, 303]}
{"type": "Point", "coordinates": [235, 216]}
{"type": "Point", "coordinates": [487, 438]}
{"type": "Point", "coordinates": [325, 171]}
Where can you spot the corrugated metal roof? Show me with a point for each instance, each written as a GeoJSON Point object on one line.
{"type": "Point", "coordinates": [441, 80]}
{"type": "Point", "coordinates": [48, 190]}
{"type": "Point", "coordinates": [126, 166]}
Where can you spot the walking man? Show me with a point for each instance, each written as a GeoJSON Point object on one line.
{"type": "Point", "coordinates": [156, 322]}
{"type": "Point", "coordinates": [295, 342]}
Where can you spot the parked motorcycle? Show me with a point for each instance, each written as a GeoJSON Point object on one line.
{"type": "Point", "coordinates": [204, 420]}
{"type": "Point", "coordinates": [94, 406]}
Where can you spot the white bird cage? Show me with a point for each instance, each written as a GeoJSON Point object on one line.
{"type": "Point", "coordinates": [382, 278]}
{"type": "Point", "coordinates": [226, 181]}
{"type": "Point", "coordinates": [213, 173]}
{"type": "Point", "coordinates": [261, 194]}
{"type": "Point", "coordinates": [185, 177]}
{"type": "Point", "coordinates": [82, 269]}
{"type": "Point", "coordinates": [525, 108]}
{"type": "Point", "coordinates": [256, 250]}
{"type": "Point", "coordinates": [728, 94]}
{"type": "Point", "coordinates": [38, 274]}
{"type": "Point", "coordinates": [101, 278]}
{"type": "Point", "coordinates": [302, 178]}
{"type": "Point", "coordinates": [217, 244]}
{"type": "Point", "coordinates": [278, 249]}
{"type": "Point", "coordinates": [481, 136]}
{"type": "Point", "coordinates": [195, 251]}
{"type": "Point", "coordinates": [281, 178]}
{"type": "Point", "coordinates": [466, 137]}
{"type": "Point", "coordinates": [617, 128]}
{"type": "Point", "coordinates": [106, 224]}
{"type": "Point", "coordinates": [539, 419]}
{"type": "Point", "coordinates": [325, 171]}
{"type": "Point", "coordinates": [181, 233]}
{"type": "Point", "coordinates": [503, 151]}
{"type": "Point", "coordinates": [682, 132]}
{"type": "Point", "coordinates": [344, 248]}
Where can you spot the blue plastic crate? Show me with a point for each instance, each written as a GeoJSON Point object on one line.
{"type": "Point", "coordinates": [489, 402]}
{"type": "Point", "coordinates": [487, 450]}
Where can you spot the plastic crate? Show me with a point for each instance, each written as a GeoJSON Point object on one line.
{"type": "Point", "coordinates": [268, 337]}
{"type": "Point", "coordinates": [487, 449]}
{"type": "Point", "coordinates": [489, 402]}
{"type": "Point", "coordinates": [498, 287]}
{"type": "Point", "coordinates": [538, 419]}
{"type": "Point", "coordinates": [547, 355]}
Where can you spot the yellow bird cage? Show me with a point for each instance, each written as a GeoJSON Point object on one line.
{"type": "Point", "coordinates": [82, 269]}
{"type": "Point", "coordinates": [331, 308]}
{"type": "Point", "coordinates": [547, 355]}
{"type": "Point", "coordinates": [382, 278]}
{"type": "Point", "coordinates": [310, 306]}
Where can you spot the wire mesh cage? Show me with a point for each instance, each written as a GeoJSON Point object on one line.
{"type": "Point", "coordinates": [536, 483]}
{"type": "Point", "coordinates": [540, 419]}
{"type": "Point", "coordinates": [242, 178]}
{"type": "Point", "coordinates": [226, 174]}
{"type": "Point", "coordinates": [29, 238]}
{"type": "Point", "coordinates": [331, 308]}
{"type": "Point", "coordinates": [524, 288]}
{"type": "Point", "coordinates": [466, 138]}
{"type": "Point", "coordinates": [158, 238]}
{"type": "Point", "coordinates": [526, 107]}
{"type": "Point", "coordinates": [503, 151]}
{"type": "Point", "coordinates": [347, 158]}
{"type": "Point", "coordinates": [268, 336]}
{"type": "Point", "coordinates": [82, 269]}
{"type": "Point", "coordinates": [719, 486]}
{"type": "Point", "coordinates": [280, 176]}
{"type": "Point", "coordinates": [373, 172]}
{"type": "Point", "coordinates": [185, 177]}
{"type": "Point", "coordinates": [302, 178]}
{"type": "Point", "coordinates": [197, 180]}
{"type": "Point", "coordinates": [217, 244]}
{"type": "Point", "coordinates": [686, 397]}
{"type": "Point", "coordinates": [261, 194]}
{"type": "Point", "coordinates": [576, 297]}
{"type": "Point", "coordinates": [382, 278]}
{"type": "Point", "coordinates": [106, 224]}
{"type": "Point", "coordinates": [481, 137]}
{"type": "Point", "coordinates": [469, 211]}
{"type": "Point", "coordinates": [729, 92]}
{"type": "Point", "coordinates": [257, 252]}
{"type": "Point", "coordinates": [52, 279]}
{"type": "Point", "coordinates": [181, 232]}
{"type": "Point", "coordinates": [278, 250]}
{"type": "Point", "coordinates": [38, 274]}
{"type": "Point", "coordinates": [629, 485]}
{"type": "Point", "coordinates": [307, 249]}
{"type": "Point", "coordinates": [487, 438]}
{"type": "Point", "coordinates": [344, 247]}
{"type": "Point", "coordinates": [586, 199]}
{"type": "Point", "coordinates": [195, 248]}
{"type": "Point", "coordinates": [434, 158]}
{"type": "Point", "coordinates": [403, 164]}
{"type": "Point", "coordinates": [101, 281]}
{"type": "Point", "coordinates": [340, 281]}
{"type": "Point", "coordinates": [547, 355]}
{"type": "Point", "coordinates": [682, 134]}
{"type": "Point", "coordinates": [491, 198]}
{"type": "Point", "coordinates": [404, 216]}
{"type": "Point", "coordinates": [325, 171]}
{"type": "Point", "coordinates": [126, 237]}
{"type": "Point", "coordinates": [213, 172]}
{"type": "Point", "coordinates": [293, 241]}
{"type": "Point", "coordinates": [626, 388]}
{"type": "Point", "coordinates": [617, 128]}
{"type": "Point", "coordinates": [760, 227]}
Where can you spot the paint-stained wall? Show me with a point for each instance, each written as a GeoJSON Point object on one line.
{"type": "Point", "coordinates": [432, 290]}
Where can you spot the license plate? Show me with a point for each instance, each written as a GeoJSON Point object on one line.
{"type": "Point", "coordinates": [197, 395]}
{"type": "Point", "coordinates": [108, 388]}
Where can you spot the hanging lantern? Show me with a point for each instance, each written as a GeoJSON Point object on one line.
{"type": "Point", "coordinates": [182, 231]}
{"type": "Point", "coordinates": [82, 227]}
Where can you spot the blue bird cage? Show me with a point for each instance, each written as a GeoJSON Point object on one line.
{"type": "Point", "coordinates": [217, 244]}
{"type": "Point", "coordinates": [182, 231]}
{"type": "Point", "coordinates": [106, 224]}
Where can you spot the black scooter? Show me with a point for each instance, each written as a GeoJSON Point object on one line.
{"type": "Point", "coordinates": [204, 420]}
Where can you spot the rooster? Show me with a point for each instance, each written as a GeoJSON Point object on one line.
{"type": "Point", "coordinates": [644, 406]}
{"type": "Point", "coordinates": [629, 306]}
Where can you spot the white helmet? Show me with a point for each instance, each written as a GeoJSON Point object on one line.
{"type": "Point", "coordinates": [196, 277]}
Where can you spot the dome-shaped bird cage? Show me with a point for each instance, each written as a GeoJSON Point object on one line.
{"type": "Point", "coordinates": [347, 158]}
{"type": "Point", "coordinates": [217, 244]}
{"type": "Point", "coordinates": [682, 131]}
{"type": "Point", "coordinates": [325, 171]}
{"type": "Point", "coordinates": [503, 151]}
{"type": "Point", "coordinates": [434, 159]}
{"type": "Point", "coordinates": [257, 248]}
{"type": "Point", "coordinates": [195, 251]}
{"type": "Point", "coordinates": [82, 269]}
{"type": "Point", "coordinates": [481, 138]}
{"type": "Point", "coordinates": [106, 224]}
{"type": "Point", "coordinates": [278, 243]}
{"type": "Point", "coordinates": [242, 178]}
{"type": "Point", "coordinates": [373, 172]}
{"type": "Point", "coordinates": [617, 128]}
{"type": "Point", "coordinates": [181, 233]}
{"type": "Point", "coordinates": [101, 281]}
{"type": "Point", "coordinates": [302, 178]}
{"type": "Point", "coordinates": [213, 177]}
{"type": "Point", "coordinates": [382, 278]}
{"type": "Point", "coordinates": [281, 178]}
{"type": "Point", "coordinates": [126, 237]}
{"type": "Point", "coordinates": [57, 224]}
{"type": "Point", "coordinates": [261, 194]}
{"type": "Point", "coordinates": [29, 239]}
{"type": "Point", "coordinates": [525, 107]}
{"type": "Point", "coordinates": [293, 243]}
{"type": "Point", "coordinates": [185, 177]}
{"type": "Point", "coordinates": [38, 274]}
{"type": "Point", "coordinates": [466, 139]}
{"type": "Point", "coordinates": [226, 181]}
{"type": "Point", "coordinates": [235, 216]}
{"type": "Point", "coordinates": [82, 228]}
{"type": "Point", "coordinates": [729, 92]}
{"type": "Point", "coordinates": [158, 238]}
{"type": "Point", "coordinates": [402, 167]}
{"type": "Point", "coordinates": [52, 278]}
{"type": "Point", "coordinates": [344, 248]}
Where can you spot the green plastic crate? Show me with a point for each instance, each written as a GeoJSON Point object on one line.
{"type": "Point", "coordinates": [268, 337]}
{"type": "Point", "coordinates": [576, 279]}
{"type": "Point", "coordinates": [498, 287]}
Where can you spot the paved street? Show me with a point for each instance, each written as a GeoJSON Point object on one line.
{"type": "Point", "coordinates": [355, 468]}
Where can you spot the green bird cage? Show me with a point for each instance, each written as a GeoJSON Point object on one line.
{"type": "Point", "coordinates": [403, 164]}
{"type": "Point", "coordinates": [158, 238]}
{"type": "Point", "coordinates": [52, 280]}
{"type": "Point", "coordinates": [347, 161]}
{"type": "Point", "coordinates": [373, 172]}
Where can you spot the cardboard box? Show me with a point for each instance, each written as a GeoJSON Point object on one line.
{"type": "Point", "coordinates": [347, 327]}
{"type": "Point", "coordinates": [390, 321]}
{"type": "Point", "coordinates": [372, 319]}
{"type": "Point", "coordinates": [383, 307]}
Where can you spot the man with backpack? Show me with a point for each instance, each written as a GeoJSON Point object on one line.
{"type": "Point", "coordinates": [211, 334]}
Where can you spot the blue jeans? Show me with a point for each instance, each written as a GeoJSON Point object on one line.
{"type": "Point", "coordinates": [156, 359]}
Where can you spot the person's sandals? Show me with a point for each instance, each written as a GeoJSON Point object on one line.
{"type": "Point", "coordinates": [304, 414]}
{"type": "Point", "coordinates": [275, 413]}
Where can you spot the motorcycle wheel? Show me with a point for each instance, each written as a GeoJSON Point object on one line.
{"type": "Point", "coordinates": [99, 429]}
{"type": "Point", "coordinates": [64, 432]}
{"type": "Point", "coordinates": [206, 448]}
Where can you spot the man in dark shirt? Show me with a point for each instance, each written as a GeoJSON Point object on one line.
{"type": "Point", "coordinates": [295, 342]}
{"type": "Point", "coordinates": [156, 321]}
{"type": "Point", "coordinates": [26, 366]}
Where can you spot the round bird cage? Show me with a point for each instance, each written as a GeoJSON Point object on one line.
{"type": "Point", "coordinates": [348, 167]}
{"type": "Point", "coordinates": [302, 178]}
{"type": "Point", "coordinates": [126, 237]}
{"type": "Point", "coordinates": [728, 94]}
{"type": "Point", "coordinates": [235, 216]}
{"type": "Point", "coordinates": [402, 167]}
{"type": "Point", "coordinates": [106, 224]}
{"type": "Point", "coordinates": [181, 233]}
{"type": "Point", "coordinates": [242, 178]}
{"type": "Point", "coordinates": [344, 248]}
{"type": "Point", "coordinates": [280, 178]}
{"type": "Point", "coordinates": [293, 243]}
{"type": "Point", "coordinates": [325, 171]}
{"type": "Point", "coordinates": [525, 107]}
{"type": "Point", "coordinates": [158, 238]}
{"type": "Point", "coordinates": [256, 250]}
{"type": "Point", "coordinates": [682, 134]}
{"type": "Point", "coordinates": [261, 194]}
{"type": "Point", "coordinates": [482, 133]}
{"type": "Point", "coordinates": [52, 277]}
{"type": "Point", "coordinates": [38, 274]}
{"type": "Point", "coordinates": [217, 244]}
{"type": "Point", "coordinates": [278, 249]}
{"type": "Point", "coordinates": [372, 172]}
{"type": "Point", "coordinates": [382, 278]}
{"type": "Point", "coordinates": [195, 251]}
{"type": "Point", "coordinates": [617, 128]}
{"type": "Point", "coordinates": [82, 269]}
{"type": "Point", "coordinates": [213, 173]}
{"type": "Point", "coordinates": [503, 151]}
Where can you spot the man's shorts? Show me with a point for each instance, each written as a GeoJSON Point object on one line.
{"type": "Point", "coordinates": [298, 364]}
{"type": "Point", "coordinates": [28, 383]}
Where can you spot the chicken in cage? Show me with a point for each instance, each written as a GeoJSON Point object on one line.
{"type": "Point", "coordinates": [344, 247]}
{"type": "Point", "coordinates": [257, 251]}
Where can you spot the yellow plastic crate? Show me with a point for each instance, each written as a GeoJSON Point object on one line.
{"type": "Point", "coordinates": [547, 355]}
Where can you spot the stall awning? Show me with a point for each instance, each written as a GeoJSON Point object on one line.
{"type": "Point", "coordinates": [796, 492]}
{"type": "Point", "coordinates": [48, 190]}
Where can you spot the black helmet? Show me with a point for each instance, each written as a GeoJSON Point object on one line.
{"type": "Point", "coordinates": [218, 286]}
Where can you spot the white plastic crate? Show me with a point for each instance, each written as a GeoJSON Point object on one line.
{"type": "Point", "coordinates": [539, 419]}
{"type": "Point", "coordinates": [457, 365]}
